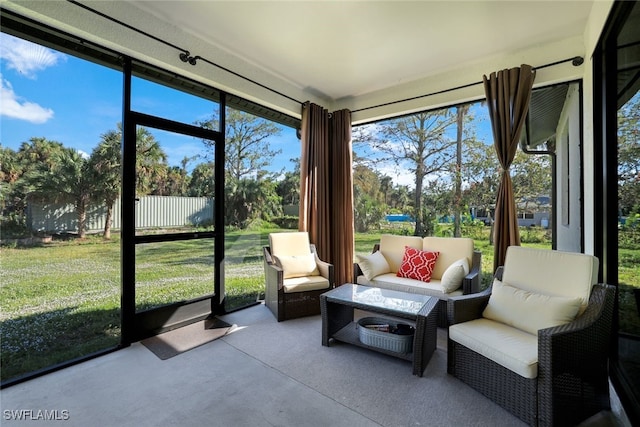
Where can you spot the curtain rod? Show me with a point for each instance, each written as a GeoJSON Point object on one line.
{"type": "Point", "coordinates": [576, 61]}
{"type": "Point", "coordinates": [185, 56]}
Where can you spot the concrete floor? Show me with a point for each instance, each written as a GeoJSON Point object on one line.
{"type": "Point", "coordinates": [243, 379]}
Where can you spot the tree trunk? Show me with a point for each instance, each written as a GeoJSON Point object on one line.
{"type": "Point", "coordinates": [457, 199]}
{"type": "Point", "coordinates": [108, 219]}
{"type": "Point", "coordinates": [82, 217]}
{"type": "Point", "coordinates": [419, 230]}
{"type": "Point", "coordinates": [491, 222]}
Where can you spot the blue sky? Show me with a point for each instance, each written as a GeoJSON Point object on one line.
{"type": "Point", "coordinates": [48, 94]}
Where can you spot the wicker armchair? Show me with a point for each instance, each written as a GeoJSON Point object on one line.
{"type": "Point", "coordinates": [295, 276]}
{"type": "Point", "coordinates": [567, 376]}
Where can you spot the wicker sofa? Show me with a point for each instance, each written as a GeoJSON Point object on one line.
{"type": "Point", "coordinates": [537, 341]}
{"type": "Point", "coordinates": [456, 270]}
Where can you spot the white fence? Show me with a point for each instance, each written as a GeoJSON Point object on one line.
{"type": "Point", "coordinates": [151, 212]}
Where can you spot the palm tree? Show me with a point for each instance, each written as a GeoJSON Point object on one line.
{"type": "Point", "coordinates": [106, 164]}
{"type": "Point", "coordinates": [69, 180]}
{"type": "Point", "coordinates": [151, 163]}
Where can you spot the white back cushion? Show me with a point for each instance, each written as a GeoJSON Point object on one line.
{"type": "Point", "coordinates": [529, 311]}
{"type": "Point", "coordinates": [551, 272]}
{"type": "Point", "coordinates": [289, 244]}
{"type": "Point", "coordinates": [392, 248]}
{"type": "Point", "coordinates": [451, 250]}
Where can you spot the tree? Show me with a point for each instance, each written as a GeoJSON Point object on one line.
{"type": "Point", "coordinates": [17, 167]}
{"type": "Point", "coordinates": [247, 149]}
{"type": "Point", "coordinates": [151, 163]}
{"type": "Point", "coordinates": [369, 206]}
{"type": "Point", "coordinates": [461, 112]}
{"type": "Point", "coordinates": [400, 199]}
{"type": "Point", "coordinates": [250, 199]}
{"type": "Point", "coordinates": [481, 172]}
{"type": "Point", "coordinates": [106, 165]}
{"type": "Point", "coordinates": [629, 157]}
{"type": "Point", "coordinates": [417, 143]}
{"type": "Point", "coordinates": [531, 177]}
{"type": "Point", "coordinates": [247, 154]}
{"type": "Point", "coordinates": [289, 187]}
{"type": "Point", "coordinates": [201, 183]}
{"type": "Point", "coordinates": [69, 180]}
{"type": "Point", "coordinates": [11, 200]}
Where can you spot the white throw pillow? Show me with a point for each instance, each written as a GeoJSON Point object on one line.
{"type": "Point", "coordinates": [529, 311]}
{"type": "Point", "coordinates": [373, 265]}
{"type": "Point", "coordinates": [297, 265]}
{"type": "Point", "coordinates": [454, 274]}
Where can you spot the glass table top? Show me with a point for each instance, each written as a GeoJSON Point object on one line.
{"type": "Point", "coordinates": [402, 302]}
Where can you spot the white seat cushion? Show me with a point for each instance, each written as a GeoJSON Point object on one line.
{"type": "Point", "coordinates": [303, 284]}
{"type": "Point", "coordinates": [403, 284]}
{"type": "Point", "coordinates": [512, 348]}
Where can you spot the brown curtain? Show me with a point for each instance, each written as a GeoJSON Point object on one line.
{"type": "Point", "coordinates": [342, 196]}
{"type": "Point", "coordinates": [326, 187]}
{"type": "Point", "coordinates": [508, 94]}
{"type": "Point", "coordinates": [314, 178]}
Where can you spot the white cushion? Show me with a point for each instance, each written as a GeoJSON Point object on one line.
{"type": "Point", "coordinates": [373, 265]}
{"type": "Point", "coordinates": [297, 265]}
{"type": "Point", "coordinates": [551, 272]}
{"type": "Point", "coordinates": [392, 247]}
{"type": "Point", "coordinates": [303, 284]}
{"type": "Point", "coordinates": [529, 311]}
{"type": "Point", "coordinates": [451, 249]}
{"type": "Point", "coordinates": [454, 274]}
{"type": "Point", "coordinates": [510, 347]}
{"type": "Point", "coordinates": [403, 284]}
{"type": "Point", "coordinates": [289, 243]}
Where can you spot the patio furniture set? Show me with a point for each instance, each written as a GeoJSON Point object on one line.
{"type": "Point", "coordinates": [535, 341]}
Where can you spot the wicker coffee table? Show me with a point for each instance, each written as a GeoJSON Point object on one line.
{"type": "Point", "coordinates": [338, 304]}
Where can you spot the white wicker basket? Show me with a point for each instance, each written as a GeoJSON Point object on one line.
{"type": "Point", "coordinates": [384, 340]}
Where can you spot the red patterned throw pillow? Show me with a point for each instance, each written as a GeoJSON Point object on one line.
{"type": "Point", "coordinates": [417, 264]}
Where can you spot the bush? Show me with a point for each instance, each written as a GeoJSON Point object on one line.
{"type": "Point", "coordinates": [14, 226]}
{"type": "Point", "coordinates": [287, 222]}
{"type": "Point", "coordinates": [533, 234]}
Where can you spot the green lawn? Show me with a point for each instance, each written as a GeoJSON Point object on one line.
{"type": "Point", "coordinates": [61, 300]}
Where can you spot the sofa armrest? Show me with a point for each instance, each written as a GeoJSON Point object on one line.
{"type": "Point", "coordinates": [467, 307]}
{"type": "Point", "coordinates": [577, 351]}
{"type": "Point", "coordinates": [472, 281]}
{"type": "Point", "coordinates": [273, 274]}
{"type": "Point", "coordinates": [357, 271]}
{"type": "Point", "coordinates": [326, 270]}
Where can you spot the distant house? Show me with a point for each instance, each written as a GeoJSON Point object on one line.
{"type": "Point", "coordinates": [531, 212]}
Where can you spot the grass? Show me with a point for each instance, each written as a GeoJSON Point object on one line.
{"type": "Point", "coordinates": [61, 300]}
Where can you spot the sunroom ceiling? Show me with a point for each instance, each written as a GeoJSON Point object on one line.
{"type": "Point", "coordinates": [340, 54]}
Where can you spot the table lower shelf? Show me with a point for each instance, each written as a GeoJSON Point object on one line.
{"type": "Point", "coordinates": [349, 334]}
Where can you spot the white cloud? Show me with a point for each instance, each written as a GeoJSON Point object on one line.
{"type": "Point", "coordinates": [25, 57]}
{"type": "Point", "coordinates": [14, 107]}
